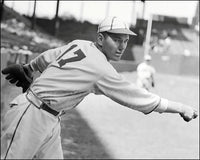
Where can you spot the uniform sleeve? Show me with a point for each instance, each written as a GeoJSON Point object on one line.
{"type": "Point", "coordinates": [116, 87]}
{"type": "Point", "coordinates": [41, 62]}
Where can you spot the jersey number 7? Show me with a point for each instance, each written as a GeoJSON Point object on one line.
{"type": "Point", "coordinates": [78, 55]}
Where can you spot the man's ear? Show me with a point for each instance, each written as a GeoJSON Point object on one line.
{"type": "Point", "coordinates": [100, 39]}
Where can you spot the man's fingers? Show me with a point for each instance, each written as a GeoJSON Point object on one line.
{"type": "Point", "coordinates": [9, 76]}
{"type": "Point", "coordinates": [188, 118]}
{"type": "Point", "coordinates": [13, 80]}
{"type": "Point", "coordinates": [195, 115]}
{"type": "Point", "coordinates": [5, 71]}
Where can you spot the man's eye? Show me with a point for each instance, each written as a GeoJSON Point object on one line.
{"type": "Point", "coordinates": [126, 41]}
{"type": "Point", "coordinates": [118, 40]}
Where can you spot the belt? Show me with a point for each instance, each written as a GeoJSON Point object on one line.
{"type": "Point", "coordinates": [48, 109]}
{"type": "Point", "coordinates": [36, 101]}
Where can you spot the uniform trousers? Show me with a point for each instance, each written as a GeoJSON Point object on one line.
{"type": "Point", "coordinates": [29, 132]}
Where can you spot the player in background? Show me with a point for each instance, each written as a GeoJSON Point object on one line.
{"type": "Point", "coordinates": [146, 73]}
{"type": "Point", "coordinates": [68, 74]}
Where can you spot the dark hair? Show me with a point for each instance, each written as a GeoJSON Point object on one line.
{"type": "Point", "coordinates": [105, 34]}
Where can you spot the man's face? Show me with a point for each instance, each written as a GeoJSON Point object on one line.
{"type": "Point", "coordinates": [114, 45]}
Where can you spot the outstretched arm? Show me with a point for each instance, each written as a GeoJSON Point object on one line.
{"type": "Point", "coordinates": [128, 94]}
{"type": "Point", "coordinates": [186, 112]}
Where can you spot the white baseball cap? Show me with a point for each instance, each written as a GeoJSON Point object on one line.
{"type": "Point", "coordinates": [147, 57]}
{"type": "Point", "coordinates": [114, 25]}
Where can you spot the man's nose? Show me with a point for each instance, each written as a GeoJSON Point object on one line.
{"type": "Point", "coordinates": [122, 46]}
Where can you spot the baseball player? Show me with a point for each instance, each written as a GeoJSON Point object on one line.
{"type": "Point", "coordinates": [68, 74]}
{"type": "Point", "coordinates": [145, 74]}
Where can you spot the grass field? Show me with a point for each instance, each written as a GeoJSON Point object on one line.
{"type": "Point", "coordinates": [130, 134]}
{"type": "Point", "coordinates": [101, 128]}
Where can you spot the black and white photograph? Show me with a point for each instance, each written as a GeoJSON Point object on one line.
{"type": "Point", "coordinates": [99, 79]}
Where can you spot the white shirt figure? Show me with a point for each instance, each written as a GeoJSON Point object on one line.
{"type": "Point", "coordinates": [145, 74]}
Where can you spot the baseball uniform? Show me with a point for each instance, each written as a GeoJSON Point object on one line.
{"type": "Point", "coordinates": [68, 74]}
{"type": "Point", "coordinates": [145, 75]}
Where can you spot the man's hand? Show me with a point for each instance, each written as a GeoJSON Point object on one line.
{"type": "Point", "coordinates": [188, 113]}
{"type": "Point", "coordinates": [19, 74]}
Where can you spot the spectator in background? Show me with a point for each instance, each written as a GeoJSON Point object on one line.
{"type": "Point", "coordinates": [162, 44]}
{"type": "Point", "coordinates": [145, 74]}
{"type": "Point", "coordinates": [166, 41]}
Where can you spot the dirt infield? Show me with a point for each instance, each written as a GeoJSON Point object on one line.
{"type": "Point", "coordinates": [100, 128]}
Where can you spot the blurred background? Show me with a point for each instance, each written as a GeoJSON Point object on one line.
{"type": "Point", "coordinates": [30, 27]}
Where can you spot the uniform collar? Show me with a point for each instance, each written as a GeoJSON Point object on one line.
{"type": "Point", "coordinates": [97, 47]}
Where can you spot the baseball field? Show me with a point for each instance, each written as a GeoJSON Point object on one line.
{"type": "Point", "coordinates": [100, 128]}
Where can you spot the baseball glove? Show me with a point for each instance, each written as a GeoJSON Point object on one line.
{"type": "Point", "coordinates": [19, 74]}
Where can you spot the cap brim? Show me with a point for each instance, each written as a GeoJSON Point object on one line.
{"type": "Point", "coordinates": [122, 31]}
